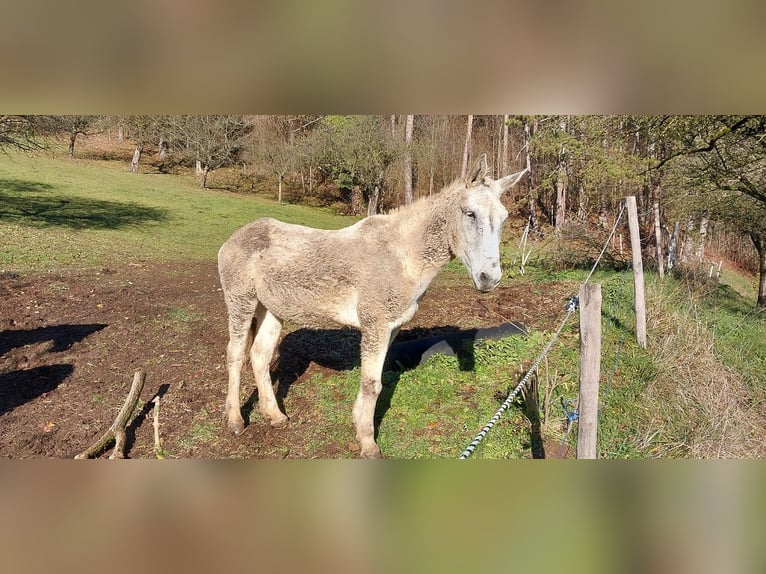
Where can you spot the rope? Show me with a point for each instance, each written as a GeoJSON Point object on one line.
{"type": "Point", "coordinates": [570, 308]}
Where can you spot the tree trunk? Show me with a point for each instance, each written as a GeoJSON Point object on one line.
{"type": "Point", "coordinates": [561, 183]}
{"type": "Point", "coordinates": [203, 180]}
{"type": "Point", "coordinates": [372, 206]}
{"type": "Point", "coordinates": [504, 152]}
{"type": "Point", "coordinates": [72, 139]}
{"type": "Point", "coordinates": [279, 190]}
{"type": "Point", "coordinates": [687, 249]}
{"type": "Point", "coordinates": [136, 157]}
{"type": "Point", "coordinates": [703, 235]}
{"type": "Point", "coordinates": [467, 147]}
{"type": "Point", "coordinates": [311, 179]}
{"type": "Point", "coordinates": [672, 247]}
{"type": "Point", "coordinates": [357, 200]}
{"type": "Point", "coordinates": [408, 128]}
{"type": "Point", "coordinates": [163, 153]}
{"type": "Point", "coordinates": [431, 181]}
{"type": "Point", "coordinates": [561, 195]}
{"type": "Point", "coordinates": [582, 211]}
{"type": "Point", "coordinates": [198, 167]}
{"type": "Point", "coordinates": [760, 245]}
{"type": "Point", "coordinates": [531, 199]}
{"type": "Point", "coordinates": [658, 230]}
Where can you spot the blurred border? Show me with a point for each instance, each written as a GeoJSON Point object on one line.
{"type": "Point", "coordinates": [389, 516]}
{"type": "Point", "coordinates": [344, 56]}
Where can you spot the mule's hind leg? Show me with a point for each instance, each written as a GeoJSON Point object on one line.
{"type": "Point", "coordinates": [264, 345]}
{"type": "Point", "coordinates": [241, 313]}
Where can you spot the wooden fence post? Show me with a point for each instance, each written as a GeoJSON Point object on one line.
{"type": "Point", "coordinates": [590, 369]}
{"type": "Point", "coordinates": [638, 271]}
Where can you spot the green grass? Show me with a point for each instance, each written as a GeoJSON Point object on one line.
{"type": "Point", "coordinates": [435, 410]}
{"type": "Point", "coordinates": [82, 213]}
{"type": "Point", "coordinates": [740, 335]}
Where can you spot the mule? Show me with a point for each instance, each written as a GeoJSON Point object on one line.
{"type": "Point", "coordinates": [370, 276]}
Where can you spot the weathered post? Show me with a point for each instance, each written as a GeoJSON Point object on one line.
{"type": "Point", "coordinates": [590, 369]}
{"type": "Point", "coordinates": [638, 271]}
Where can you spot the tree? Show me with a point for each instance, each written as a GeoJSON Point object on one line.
{"type": "Point", "coordinates": [272, 146]}
{"type": "Point", "coordinates": [75, 126]}
{"type": "Point", "coordinates": [214, 141]}
{"type": "Point", "coordinates": [144, 130]}
{"type": "Point", "coordinates": [722, 160]}
{"type": "Point", "coordinates": [356, 153]}
{"type": "Point", "coordinates": [23, 132]}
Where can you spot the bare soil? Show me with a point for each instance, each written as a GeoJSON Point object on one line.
{"type": "Point", "coordinates": [70, 342]}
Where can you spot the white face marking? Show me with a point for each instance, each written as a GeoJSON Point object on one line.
{"type": "Point", "coordinates": [481, 226]}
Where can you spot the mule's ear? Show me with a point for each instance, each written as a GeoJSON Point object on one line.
{"type": "Point", "coordinates": [479, 171]}
{"type": "Point", "coordinates": [504, 184]}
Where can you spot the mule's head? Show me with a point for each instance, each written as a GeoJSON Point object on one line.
{"type": "Point", "coordinates": [479, 224]}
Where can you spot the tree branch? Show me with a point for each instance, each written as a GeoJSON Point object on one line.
{"type": "Point", "coordinates": [709, 146]}
{"type": "Point", "coordinates": [116, 432]}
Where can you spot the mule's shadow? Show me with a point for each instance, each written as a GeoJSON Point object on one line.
{"type": "Point", "coordinates": [338, 349]}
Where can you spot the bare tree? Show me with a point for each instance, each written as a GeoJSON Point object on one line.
{"type": "Point", "coordinates": [215, 141]}
{"type": "Point", "coordinates": [23, 132]}
{"type": "Point", "coordinates": [144, 130]}
{"type": "Point", "coordinates": [272, 146]}
{"type": "Point", "coordinates": [75, 126]}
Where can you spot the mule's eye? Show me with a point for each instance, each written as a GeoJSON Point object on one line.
{"type": "Point", "coordinates": [469, 213]}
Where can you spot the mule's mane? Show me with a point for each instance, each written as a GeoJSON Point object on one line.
{"type": "Point", "coordinates": [426, 200]}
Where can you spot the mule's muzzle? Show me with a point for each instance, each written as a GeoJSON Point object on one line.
{"type": "Point", "coordinates": [486, 282]}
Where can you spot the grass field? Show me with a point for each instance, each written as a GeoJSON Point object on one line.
{"type": "Point", "coordinates": [57, 212]}
{"type": "Point", "coordinates": [697, 391]}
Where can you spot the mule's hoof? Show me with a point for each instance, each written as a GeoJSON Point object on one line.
{"type": "Point", "coordinates": [237, 427]}
{"type": "Point", "coordinates": [371, 454]}
{"type": "Point", "coordinates": [280, 423]}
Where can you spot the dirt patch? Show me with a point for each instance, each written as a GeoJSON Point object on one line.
{"type": "Point", "coordinates": [70, 342]}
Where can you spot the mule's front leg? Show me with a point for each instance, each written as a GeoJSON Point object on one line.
{"type": "Point", "coordinates": [374, 348]}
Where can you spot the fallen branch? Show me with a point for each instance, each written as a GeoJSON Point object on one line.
{"type": "Point", "coordinates": [116, 432]}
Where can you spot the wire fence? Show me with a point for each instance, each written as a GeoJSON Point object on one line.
{"type": "Point", "coordinates": [570, 308]}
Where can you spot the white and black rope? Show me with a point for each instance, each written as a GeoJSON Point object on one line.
{"type": "Point", "coordinates": [571, 306]}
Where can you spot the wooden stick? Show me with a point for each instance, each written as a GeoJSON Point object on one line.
{"type": "Point", "coordinates": [116, 432]}
{"type": "Point", "coordinates": [157, 447]}
{"type": "Point", "coordinates": [590, 369]}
